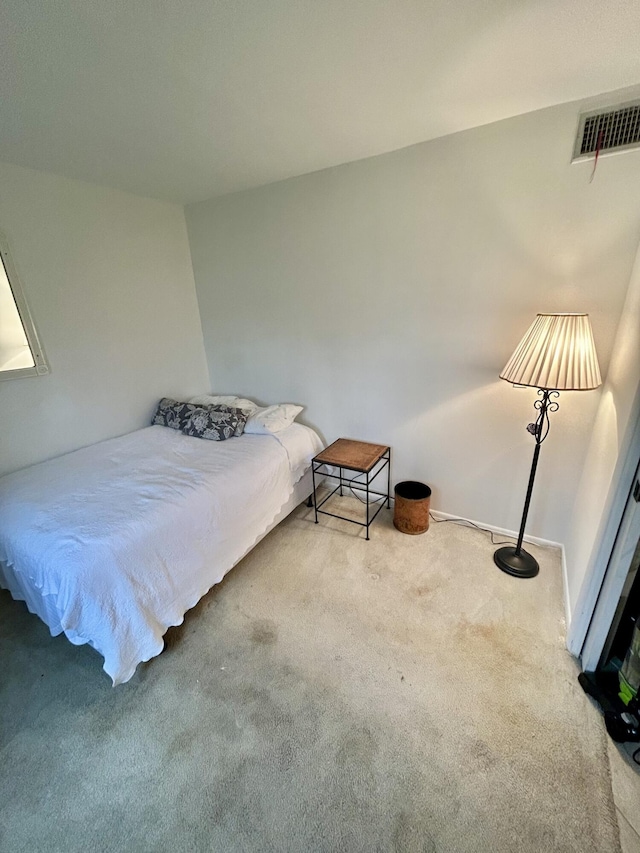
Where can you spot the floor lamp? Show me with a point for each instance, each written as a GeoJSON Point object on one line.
{"type": "Point", "coordinates": [556, 354]}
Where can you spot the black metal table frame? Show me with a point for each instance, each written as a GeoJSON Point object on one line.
{"type": "Point", "coordinates": [365, 487]}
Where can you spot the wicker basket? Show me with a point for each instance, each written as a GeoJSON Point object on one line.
{"type": "Point", "coordinates": [411, 511]}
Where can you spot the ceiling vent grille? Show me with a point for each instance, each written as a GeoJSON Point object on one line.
{"type": "Point", "coordinates": [611, 130]}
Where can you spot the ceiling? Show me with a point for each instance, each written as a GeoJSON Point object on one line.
{"type": "Point", "coordinates": [187, 99]}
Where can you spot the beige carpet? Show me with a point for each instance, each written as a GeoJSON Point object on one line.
{"type": "Point", "coordinates": [332, 694]}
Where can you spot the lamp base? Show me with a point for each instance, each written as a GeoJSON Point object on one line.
{"type": "Point", "coordinates": [521, 565]}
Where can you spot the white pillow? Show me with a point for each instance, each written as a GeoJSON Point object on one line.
{"type": "Point", "coordinates": [246, 405]}
{"type": "Point", "coordinates": [225, 400]}
{"type": "Point", "coordinates": [272, 419]}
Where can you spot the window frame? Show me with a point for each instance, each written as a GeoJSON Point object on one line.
{"type": "Point", "coordinates": [41, 367]}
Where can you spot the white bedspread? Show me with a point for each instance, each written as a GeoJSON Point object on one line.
{"type": "Point", "coordinates": [128, 534]}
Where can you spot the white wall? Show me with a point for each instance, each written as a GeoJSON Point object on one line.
{"type": "Point", "coordinates": [614, 421]}
{"type": "Point", "coordinates": [385, 295]}
{"type": "Point", "coordinates": [109, 282]}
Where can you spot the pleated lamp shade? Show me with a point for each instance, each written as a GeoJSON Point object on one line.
{"type": "Point", "coordinates": [558, 353]}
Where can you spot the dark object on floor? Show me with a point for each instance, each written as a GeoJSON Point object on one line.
{"type": "Point", "coordinates": [411, 511]}
{"type": "Point", "coordinates": [622, 721]}
{"type": "Point", "coordinates": [606, 685]}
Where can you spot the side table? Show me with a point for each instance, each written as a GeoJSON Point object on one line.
{"type": "Point", "coordinates": [362, 457]}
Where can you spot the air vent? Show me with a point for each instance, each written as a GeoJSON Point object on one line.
{"type": "Point", "coordinates": [611, 130]}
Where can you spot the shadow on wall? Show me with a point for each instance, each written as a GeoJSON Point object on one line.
{"type": "Point", "coordinates": [482, 457]}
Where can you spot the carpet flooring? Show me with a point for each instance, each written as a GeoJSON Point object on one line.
{"type": "Point", "coordinates": [331, 694]}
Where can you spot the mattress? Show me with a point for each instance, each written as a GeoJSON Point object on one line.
{"type": "Point", "coordinates": [113, 543]}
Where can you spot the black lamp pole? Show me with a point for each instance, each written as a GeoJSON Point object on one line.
{"type": "Point", "coordinates": [516, 561]}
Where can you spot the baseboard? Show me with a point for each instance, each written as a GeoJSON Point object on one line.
{"type": "Point", "coordinates": [534, 540]}
{"type": "Point", "coordinates": [513, 534]}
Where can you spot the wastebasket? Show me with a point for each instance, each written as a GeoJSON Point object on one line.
{"type": "Point", "coordinates": [411, 510]}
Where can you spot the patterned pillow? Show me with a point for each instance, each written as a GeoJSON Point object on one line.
{"type": "Point", "coordinates": [171, 413]}
{"type": "Point", "coordinates": [176, 415]}
{"type": "Point", "coordinates": [241, 414]}
{"type": "Point", "coordinates": [202, 422]}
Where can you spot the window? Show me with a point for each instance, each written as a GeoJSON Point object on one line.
{"type": "Point", "coordinates": [20, 351]}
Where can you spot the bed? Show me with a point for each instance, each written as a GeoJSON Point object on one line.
{"type": "Point", "coordinates": [113, 543]}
